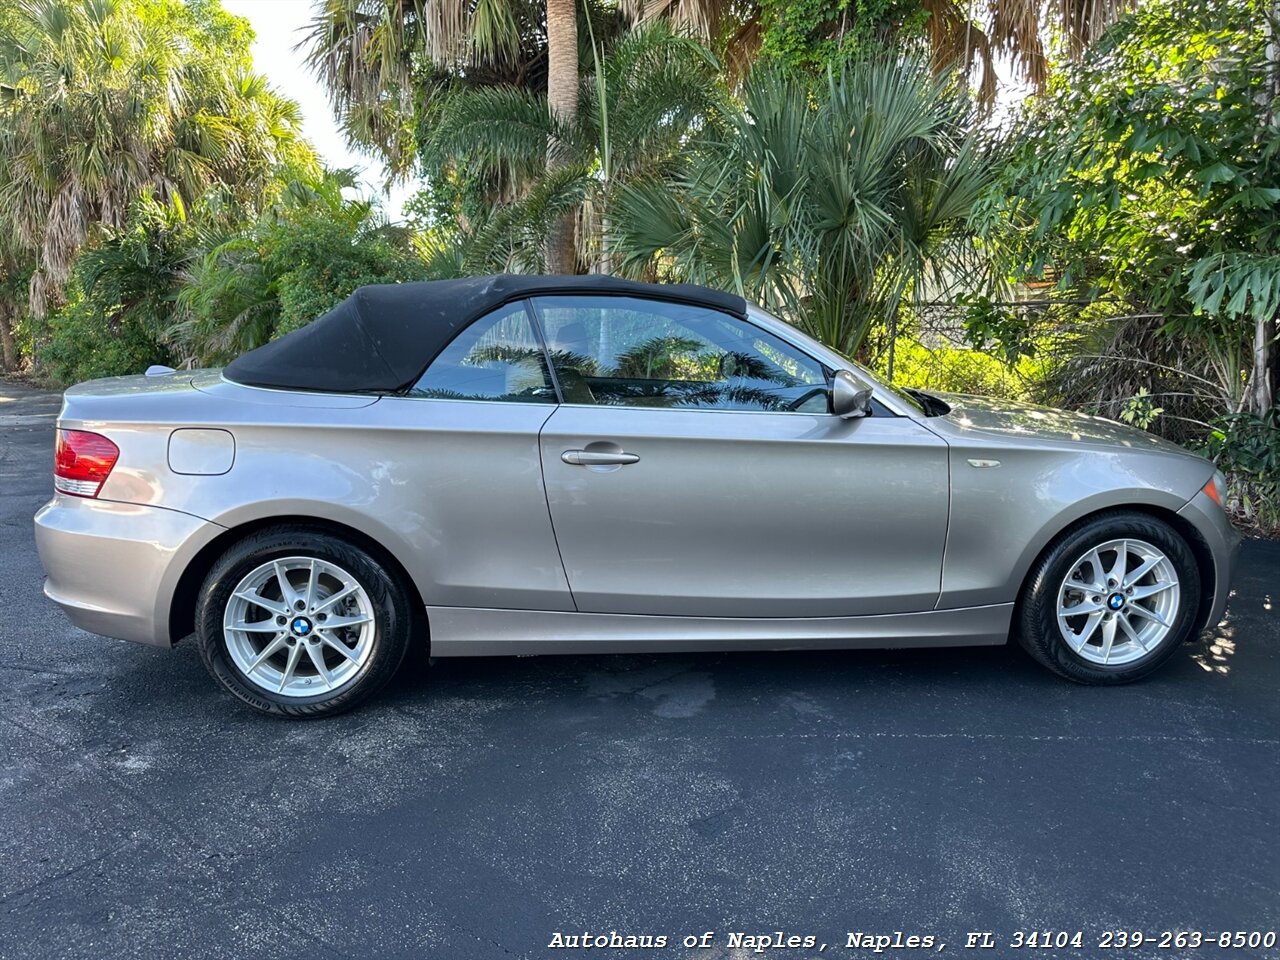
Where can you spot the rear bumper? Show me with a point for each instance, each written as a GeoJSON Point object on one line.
{"type": "Point", "coordinates": [1210, 520]}
{"type": "Point", "coordinates": [113, 567]}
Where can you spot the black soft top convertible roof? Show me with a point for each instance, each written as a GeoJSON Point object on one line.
{"type": "Point", "coordinates": [382, 337]}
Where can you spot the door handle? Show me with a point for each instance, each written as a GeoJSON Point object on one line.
{"type": "Point", "coordinates": [597, 458]}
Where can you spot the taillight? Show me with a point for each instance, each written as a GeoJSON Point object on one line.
{"type": "Point", "coordinates": [82, 461]}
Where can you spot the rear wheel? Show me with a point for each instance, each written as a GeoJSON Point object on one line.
{"type": "Point", "coordinates": [1111, 600]}
{"type": "Point", "coordinates": [301, 623]}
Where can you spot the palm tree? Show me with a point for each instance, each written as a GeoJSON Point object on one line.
{"type": "Point", "coordinates": [562, 103]}
{"type": "Point", "coordinates": [637, 108]}
{"type": "Point", "coordinates": [386, 65]}
{"type": "Point", "coordinates": [369, 55]}
{"type": "Point", "coordinates": [828, 199]}
{"type": "Point", "coordinates": [962, 34]}
{"type": "Point", "coordinates": [12, 284]}
{"type": "Point", "coordinates": [106, 98]}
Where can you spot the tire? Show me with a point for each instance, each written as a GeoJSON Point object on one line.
{"type": "Point", "coordinates": [356, 619]}
{"type": "Point", "coordinates": [1148, 622]}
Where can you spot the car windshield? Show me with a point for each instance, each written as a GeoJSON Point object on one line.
{"type": "Point", "coordinates": [908, 397]}
{"type": "Point", "coordinates": [881, 388]}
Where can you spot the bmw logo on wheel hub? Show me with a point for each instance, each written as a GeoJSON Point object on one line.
{"type": "Point", "coordinates": [301, 626]}
{"type": "Point", "coordinates": [1115, 601]}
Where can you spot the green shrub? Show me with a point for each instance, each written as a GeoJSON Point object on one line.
{"type": "Point", "coordinates": [329, 263]}
{"type": "Point", "coordinates": [283, 272]}
{"type": "Point", "coordinates": [120, 299]}
{"type": "Point", "coordinates": [1247, 449]}
{"type": "Point", "coordinates": [75, 344]}
{"type": "Point", "coordinates": [950, 369]}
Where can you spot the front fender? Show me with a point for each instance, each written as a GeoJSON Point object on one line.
{"type": "Point", "coordinates": [1003, 517]}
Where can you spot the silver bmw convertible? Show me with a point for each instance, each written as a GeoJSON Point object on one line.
{"type": "Point", "coordinates": [528, 465]}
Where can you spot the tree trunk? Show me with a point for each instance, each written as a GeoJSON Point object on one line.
{"type": "Point", "coordinates": [1264, 396]}
{"type": "Point", "coordinates": [604, 262]}
{"type": "Point", "coordinates": [562, 98]}
{"type": "Point", "coordinates": [10, 353]}
{"type": "Point", "coordinates": [1265, 329]}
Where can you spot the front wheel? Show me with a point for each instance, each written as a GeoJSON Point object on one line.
{"type": "Point", "coordinates": [301, 623]}
{"type": "Point", "coordinates": [1111, 600]}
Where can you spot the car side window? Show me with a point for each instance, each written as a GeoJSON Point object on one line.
{"type": "Point", "coordinates": [630, 351]}
{"type": "Point", "coordinates": [497, 358]}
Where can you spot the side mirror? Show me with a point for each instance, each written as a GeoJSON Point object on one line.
{"type": "Point", "coordinates": [850, 397]}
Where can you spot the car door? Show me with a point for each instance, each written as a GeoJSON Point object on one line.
{"type": "Point", "coordinates": [461, 474]}
{"type": "Point", "coordinates": [694, 469]}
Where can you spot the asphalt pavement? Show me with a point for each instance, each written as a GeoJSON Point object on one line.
{"type": "Point", "coordinates": [481, 806]}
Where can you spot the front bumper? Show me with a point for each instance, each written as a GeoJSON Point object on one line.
{"type": "Point", "coordinates": [114, 567]}
{"type": "Point", "coordinates": [1210, 520]}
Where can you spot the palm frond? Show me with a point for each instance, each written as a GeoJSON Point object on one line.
{"type": "Point", "coordinates": [959, 44]}
{"type": "Point", "coordinates": [701, 17]}
{"type": "Point", "coordinates": [826, 199]}
{"type": "Point", "coordinates": [1083, 21]}
{"type": "Point", "coordinates": [496, 126]}
{"type": "Point", "coordinates": [513, 238]}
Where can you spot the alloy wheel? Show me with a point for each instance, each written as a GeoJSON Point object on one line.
{"type": "Point", "coordinates": [299, 626]}
{"type": "Point", "coordinates": [1119, 602]}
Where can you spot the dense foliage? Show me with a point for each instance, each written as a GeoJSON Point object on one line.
{"type": "Point", "coordinates": [175, 288]}
{"type": "Point", "coordinates": [129, 130]}
{"type": "Point", "coordinates": [1151, 174]}
{"type": "Point", "coordinates": [286, 269]}
{"type": "Point", "coordinates": [121, 298]}
{"type": "Point", "coordinates": [827, 198]}
{"type": "Point", "coordinates": [815, 33]}
{"type": "Point", "coordinates": [1148, 180]}
{"type": "Point", "coordinates": [106, 99]}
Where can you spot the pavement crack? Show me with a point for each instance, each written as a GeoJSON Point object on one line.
{"type": "Point", "coordinates": [106, 775]}
{"type": "Point", "coordinates": [318, 941]}
{"type": "Point", "coordinates": [36, 669]}
{"type": "Point", "coordinates": [5, 898]}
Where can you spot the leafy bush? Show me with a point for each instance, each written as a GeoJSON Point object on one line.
{"type": "Point", "coordinates": [162, 290]}
{"type": "Point", "coordinates": [1247, 448]}
{"type": "Point", "coordinates": [120, 300]}
{"type": "Point", "coordinates": [810, 34]}
{"type": "Point", "coordinates": [328, 265]}
{"type": "Point", "coordinates": [74, 344]}
{"type": "Point", "coordinates": [1149, 174]}
{"type": "Point", "coordinates": [286, 270]}
{"type": "Point", "coordinates": [951, 369]}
